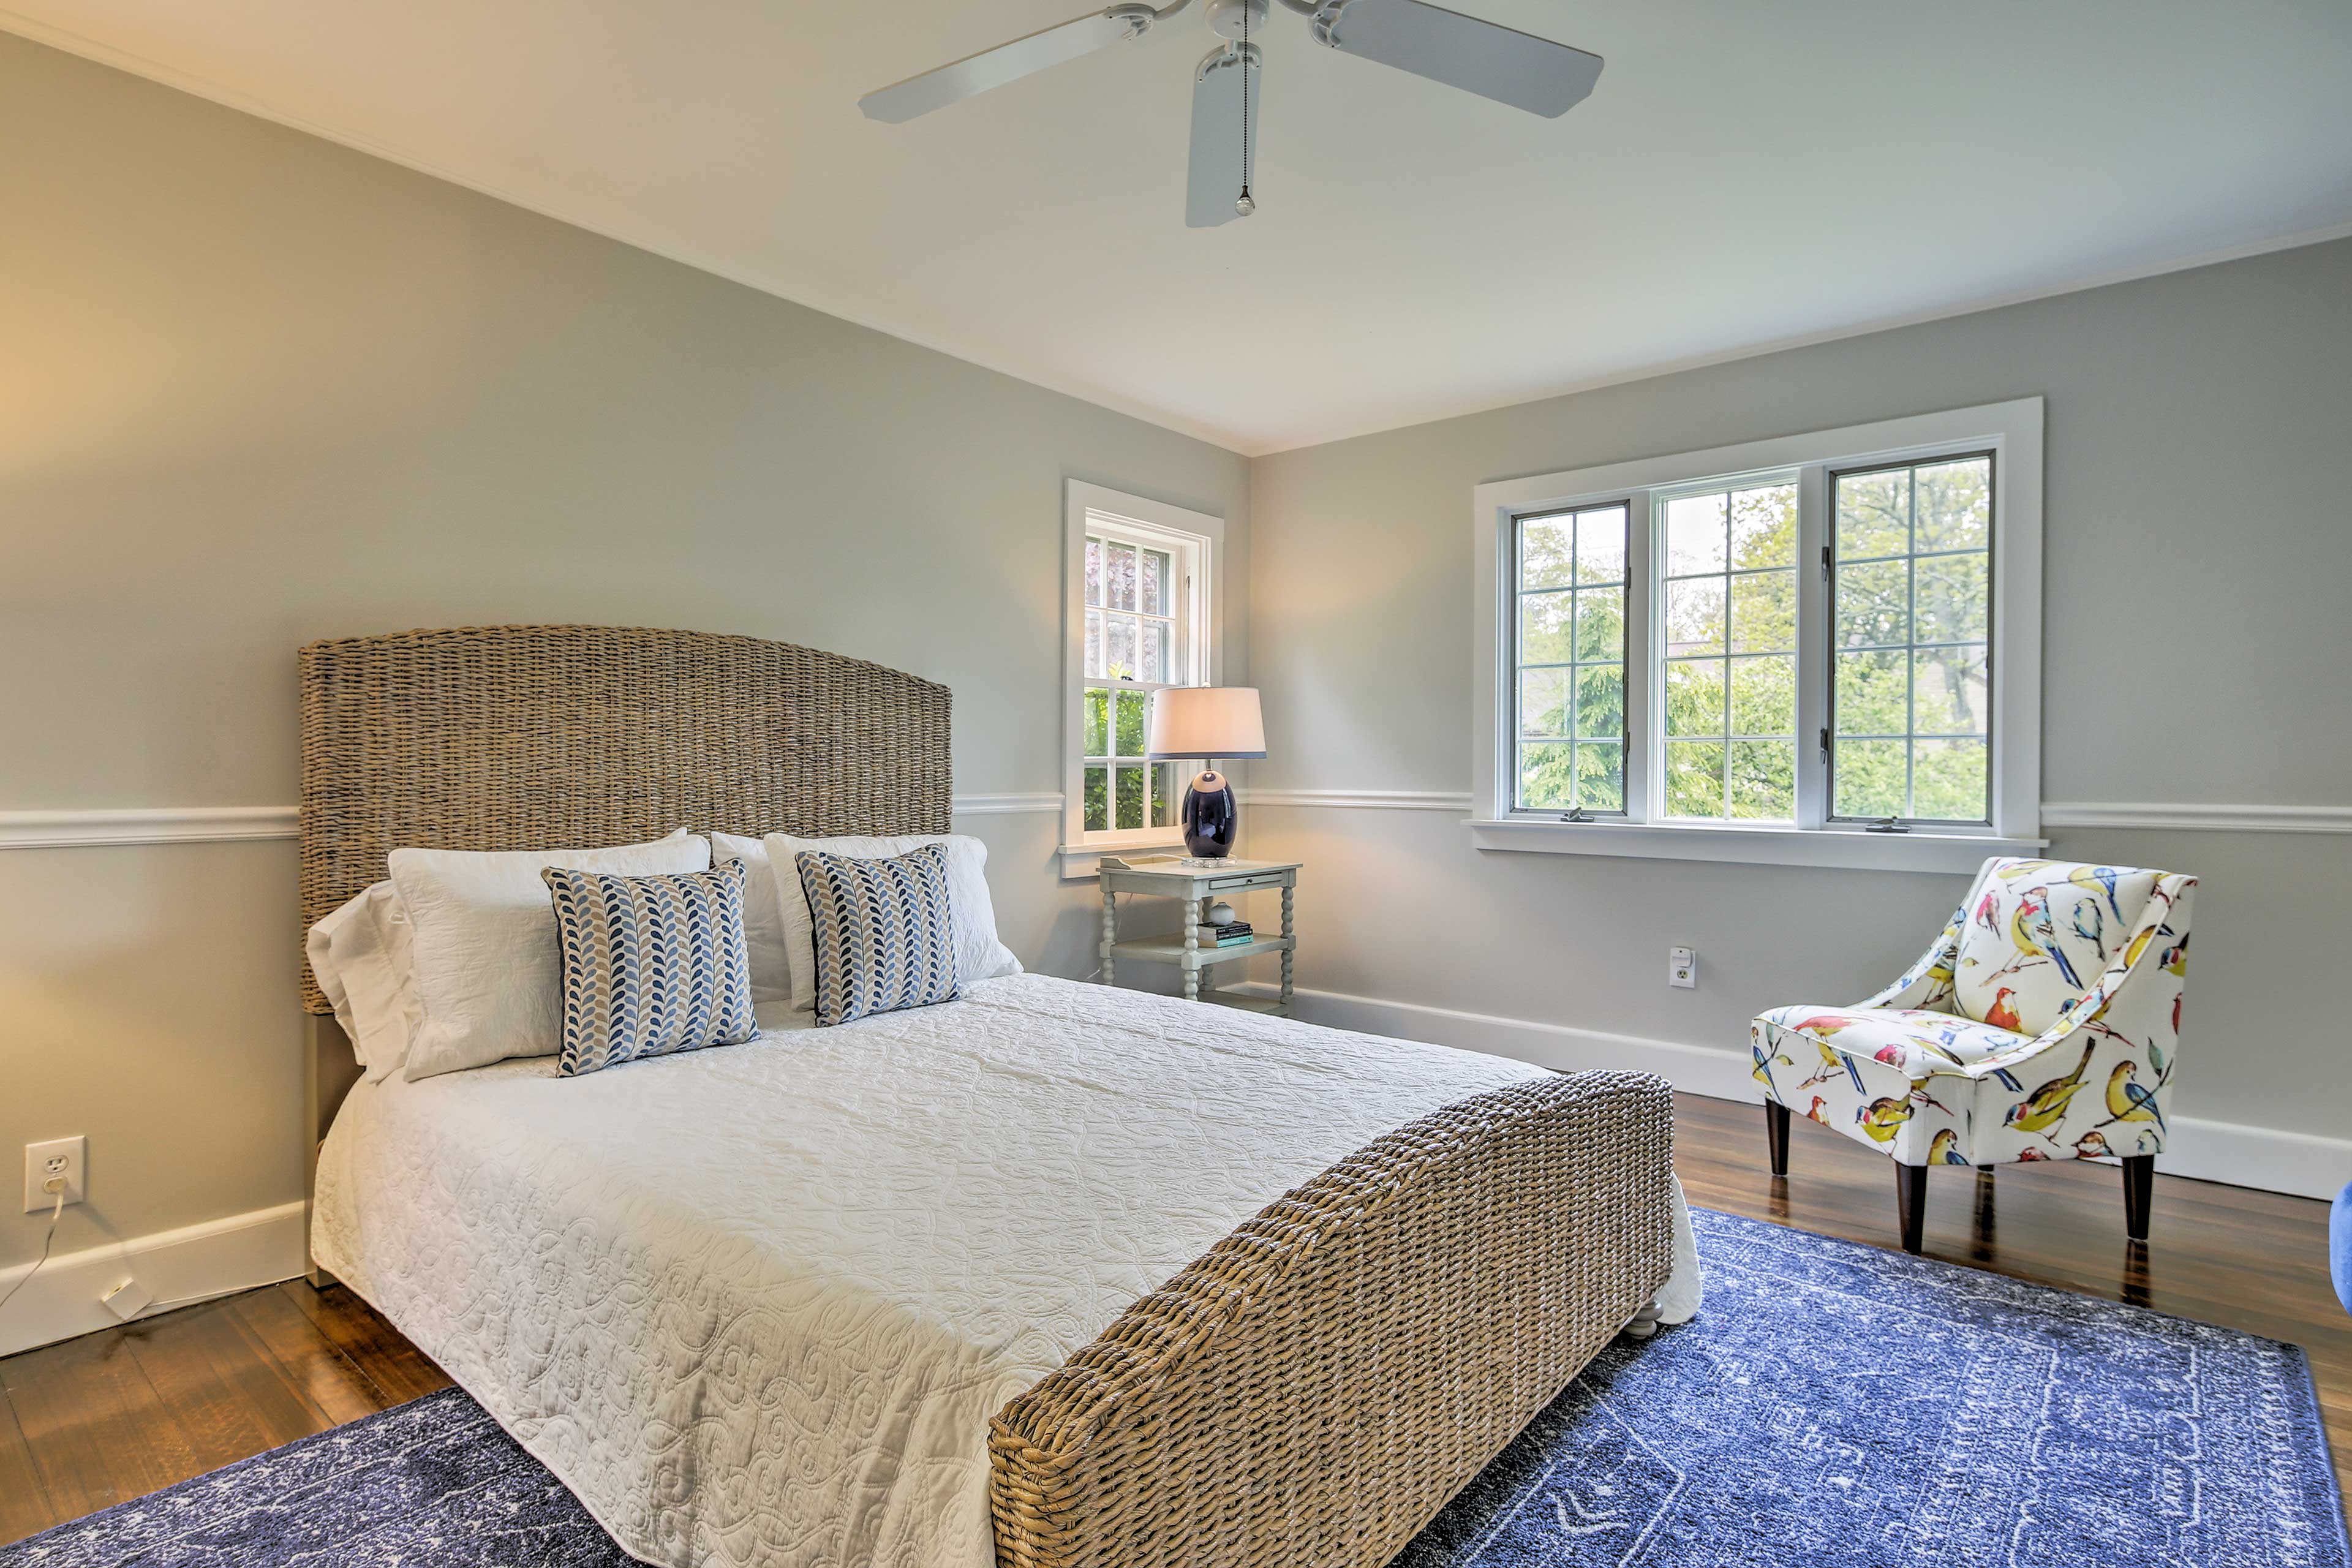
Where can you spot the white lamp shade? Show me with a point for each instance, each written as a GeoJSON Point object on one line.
{"type": "Point", "coordinates": [1205, 721]}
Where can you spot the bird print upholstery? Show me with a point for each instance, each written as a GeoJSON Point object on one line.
{"type": "Point", "coordinates": [2043, 1023]}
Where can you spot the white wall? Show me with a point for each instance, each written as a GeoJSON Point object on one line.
{"type": "Point", "coordinates": [258, 389]}
{"type": "Point", "coordinates": [2198, 550]}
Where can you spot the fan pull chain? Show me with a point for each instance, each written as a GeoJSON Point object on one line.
{"type": "Point", "coordinates": [1245, 203]}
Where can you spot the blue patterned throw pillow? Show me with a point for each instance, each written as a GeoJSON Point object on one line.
{"type": "Point", "coordinates": [884, 936]}
{"type": "Point", "coordinates": [651, 965]}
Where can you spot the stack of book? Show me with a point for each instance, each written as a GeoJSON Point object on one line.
{"type": "Point", "coordinates": [1232, 933]}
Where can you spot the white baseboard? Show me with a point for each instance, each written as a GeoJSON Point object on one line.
{"type": "Point", "coordinates": [2301, 1164]}
{"type": "Point", "coordinates": [192, 1264]}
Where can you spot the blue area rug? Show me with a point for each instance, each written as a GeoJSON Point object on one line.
{"type": "Point", "coordinates": [1833, 1403]}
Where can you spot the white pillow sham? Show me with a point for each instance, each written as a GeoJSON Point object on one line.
{"type": "Point", "coordinates": [979, 954]}
{"type": "Point", "coordinates": [364, 957]}
{"type": "Point", "coordinates": [763, 916]}
{"type": "Point", "coordinates": [489, 969]}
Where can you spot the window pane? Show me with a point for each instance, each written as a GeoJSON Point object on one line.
{"type": "Point", "coordinates": [1600, 545]}
{"type": "Point", "coordinates": [1543, 702]}
{"type": "Point", "coordinates": [1098, 723]}
{"type": "Point", "coordinates": [1119, 575]}
{"type": "Point", "coordinates": [1870, 778]}
{"type": "Point", "coordinates": [1094, 571]}
{"type": "Point", "coordinates": [1764, 613]}
{"type": "Point", "coordinates": [1947, 691]}
{"type": "Point", "coordinates": [1129, 801]}
{"type": "Point", "coordinates": [1764, 527]}
{"type": "Point", "coordinates": [1694, 616]}
{"type": "Point", "coordinates": [1119, 647]}
{"type": "Point", "coordinates": [1097, 785]}
{"type": "Point", "coordinates": [1132, 705]}
{"type": "Point", "coordinates": [1953, 596]}
{"type": "Point", "coordinates": [1873, 608]}
{"type": "Point", "coordinates": [1547, 551]}
{"type": "Point", "coordinates": [1874, 514]}
{"type": "Point", "coordinates": [1764, 780]}
{"type": "Point", "coordinates": [1544, 629]}
{"type": "Point", "coordinates": [1601, 777]}
{"type": "Point", "coordinates": [1956, 505]}
{"type": "Point", "coordinates": [1696, 535]}
{"type": "Point", "coordinates": [1764, 695]}
{"type": "Point", "coordinates": [1548, 774]}
{"type": "Point", "coordinates": [1094, 644]}
{"type": "Point", "coordinates": [1694, 778]}
{"type": "Point", "coordinates": [1601, 623]}
{"type": "Point", "coordinates": [1156, 583]}
{"type": "Point", "coordinates": [1948, 781]}
{"type": "Point", "coordinates": [1695, 697]}
{"type": "Point", "coordinates": [1167, 795]}
{"type": "Point", "coordinates": [1870, 692]}
{"type": "Point", "coordinates": [1151, 664]}
{"type": "Point", "coordinates": [1600, 701]}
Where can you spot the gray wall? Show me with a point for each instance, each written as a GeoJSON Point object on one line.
{"type": "Point", "coordinates": [2197, 551]}
{"type": "Point", "coordinates": [258, 389]}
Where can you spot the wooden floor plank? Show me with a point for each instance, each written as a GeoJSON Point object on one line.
{"type": "Point", "coordinates": [25, 1503]}
{"type": "Point", "coordinates": [112, 1415]}
{"type": "Point", "coordinates": [331, 1380]}
{"type": "Point", "coordinates": [396, 1367]}
{"type": "Point", "coordinates": [96, 1428]}
{"type": "Point", "coordinates": [231, 1397]}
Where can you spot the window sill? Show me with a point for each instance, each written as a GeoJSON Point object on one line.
{"type": "Point", "coordinates": [1914, 851]}
{"type": "Point", "coordinates": [1083, 862]}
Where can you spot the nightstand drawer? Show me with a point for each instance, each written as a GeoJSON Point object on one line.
{"type": "Point", "coordinates": [1244, 882]}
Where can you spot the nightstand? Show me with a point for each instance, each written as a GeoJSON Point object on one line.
{"type": "Point", "coordinates": [1199, 884]}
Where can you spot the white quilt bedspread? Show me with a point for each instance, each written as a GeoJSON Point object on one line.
{"type": "Point", "coordinates": [756, 1304]}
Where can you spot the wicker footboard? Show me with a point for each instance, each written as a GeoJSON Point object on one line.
{"type": "Point", "coordinates": [1318, 1385]}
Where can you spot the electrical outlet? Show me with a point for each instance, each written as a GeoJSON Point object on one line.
{"type": "Point", "coordinates": [1681, 967]}
{"type": "Point", "coordinates": [45, 1162]}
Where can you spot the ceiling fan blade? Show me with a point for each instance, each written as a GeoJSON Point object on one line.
{"type": "Point", "coordinates": [1215, 183]}
{"type": "Point", "coordinates": [1493, 61]}
{"type": "Point", "coordinates": [975, 74]}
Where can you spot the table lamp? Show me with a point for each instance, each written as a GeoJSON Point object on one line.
{"type": "Point", "coordinates": [1206, 722]}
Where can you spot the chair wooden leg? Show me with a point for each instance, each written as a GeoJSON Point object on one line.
{"type": "Point", "coordinates": [1776, 1135]}
{"type": "Point", "coordinates": [1911, 1201]}
{"type": "Point", "coordinates": [2139, 1190]}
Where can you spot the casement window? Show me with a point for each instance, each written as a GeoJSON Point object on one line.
{"type": "Point", "coordinates": [1817, 649]}
{"type": "Point", "coordinates": [1141, 614]}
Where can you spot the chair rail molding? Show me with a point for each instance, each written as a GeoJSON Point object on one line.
{"type": "Point", "coordinates": [2197, 817]}
{"type": "Point", "coordinates": [144, 824]}
{"type": "Point", "coordinates": [1361, 799]}
{"type": "Point", "coordinates": [109, 827]}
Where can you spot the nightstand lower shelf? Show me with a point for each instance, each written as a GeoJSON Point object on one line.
{"type": "Point", "coordinates": [1175, 951]}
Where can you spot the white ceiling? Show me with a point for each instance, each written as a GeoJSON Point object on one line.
{"type": "Point", "coordinates": [1747, 175]}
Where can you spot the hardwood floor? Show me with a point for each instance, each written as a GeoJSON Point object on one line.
{"type": "Point", "coordinates": [115, 1415]}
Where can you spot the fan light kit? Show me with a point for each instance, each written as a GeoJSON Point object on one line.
{"type": "Point", "coordinates": [1493, 61]}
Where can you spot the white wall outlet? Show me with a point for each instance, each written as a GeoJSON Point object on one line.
{"type": "Point", "coordinates": [1681, 967]}
{"type": "Point", "coordinates": [43, 1163]}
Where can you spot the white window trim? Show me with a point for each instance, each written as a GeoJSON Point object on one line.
{"type": "Point", "coordinates": [2011, 430]}
{"type": "Point", "coordinates": [1080, 852]}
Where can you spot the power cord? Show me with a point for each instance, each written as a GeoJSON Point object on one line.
{"type": "Point", "coordinates": [55, 1184]}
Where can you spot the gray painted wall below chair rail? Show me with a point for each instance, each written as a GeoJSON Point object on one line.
{"type": "Point", "coordinates": [2198, 548]}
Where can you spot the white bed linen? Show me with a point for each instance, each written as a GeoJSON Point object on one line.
{"type": "Point", "coordinates": [756, 1304]}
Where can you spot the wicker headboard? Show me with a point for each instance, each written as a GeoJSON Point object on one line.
{"type": "Point", "coordinates": [536, 737]}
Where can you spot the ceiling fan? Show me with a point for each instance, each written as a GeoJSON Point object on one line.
{"type": "Point", "coordinates": [1493, 61]}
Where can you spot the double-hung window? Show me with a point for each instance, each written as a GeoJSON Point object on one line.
{"type": "Point", "coordinates": [1816, 649]}
{"type": "Point", "coordinates": [1140, 612]}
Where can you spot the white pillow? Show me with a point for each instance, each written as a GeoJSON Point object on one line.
{"type": "Point", "coordinates": [489, 968]}
{"type": "Point", "coordinates": [363, 955]}
{"type": "Point", "coordinates": [763, 917]}
{"type": "Point", "coordinates": [979, 955]}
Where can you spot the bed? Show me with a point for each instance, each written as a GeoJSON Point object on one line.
{"type": "Point", "coordinates": [1050, 1274]}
